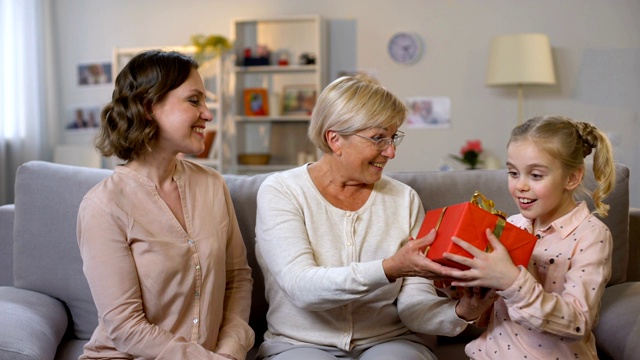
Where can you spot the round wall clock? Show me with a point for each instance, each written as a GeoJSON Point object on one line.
{"type": "Point", "coordinates": [405, 47]}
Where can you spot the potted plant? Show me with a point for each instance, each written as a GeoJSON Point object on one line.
{"type": "Point", "coordinates": [470, 154]}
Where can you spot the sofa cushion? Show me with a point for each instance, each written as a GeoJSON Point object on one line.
{"type": "Point", "coordinates": [618, 330]}
{"type": "Point", "coordinates": [243, 191]}
{"type": "Point", "coordinates": [46, 254]}
{"type": "Point", "coordinates": [30, 315]}
{"type": "Point", "coordinates": [618, 223]}
{"type": "Point", "coordinates": [70, 349]}
{"type": "Point", "coordinates": [6, 245]}
{"type": "Point", "coordinates": [633, 268]}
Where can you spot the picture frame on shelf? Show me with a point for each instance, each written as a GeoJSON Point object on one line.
{"type": "Point", "coordinates": [256, 102]}
{"type": "Point", "coordinates": [298, 99]}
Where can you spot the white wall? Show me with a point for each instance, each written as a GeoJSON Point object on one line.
{"type": "Point", "coordinates": [595, 42]}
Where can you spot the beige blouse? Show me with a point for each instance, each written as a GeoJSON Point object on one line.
{"type": "Point", "coordinates": [161, 292]}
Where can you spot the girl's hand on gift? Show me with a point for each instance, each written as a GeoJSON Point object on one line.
{"type": "Point", "coordinates": [486, 269]}
{"type": "Point", "coordinates": [474, 302]}
{"type": "Point", "coordinates": [411, 261]}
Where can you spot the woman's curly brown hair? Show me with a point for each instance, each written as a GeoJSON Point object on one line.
{"type": "Point", "coordinates": [127, 129]}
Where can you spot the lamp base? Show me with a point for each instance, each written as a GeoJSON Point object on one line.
{"type": "Point", "coordinates": [520, 104]}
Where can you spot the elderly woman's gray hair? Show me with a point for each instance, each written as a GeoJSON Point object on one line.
{"type": "Point", "coordinates": [351, 104]}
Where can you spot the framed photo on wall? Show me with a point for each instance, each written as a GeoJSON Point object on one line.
{"type": "Point", "coordinates": [256, 102]}
{"type": "Point", "coordinates": [298, 99]}
{"type": "Point", "coordinates": [94, 74]}
{"type": "Point", "coordinates": [82, 117]}
{"type": "Point", "coordinates": [429, 112]}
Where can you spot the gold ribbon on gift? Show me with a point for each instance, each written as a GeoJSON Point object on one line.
{"type": "Point", "coordinates": [486, 204]}
{"type": "Point", "coordinates": [444, 209]}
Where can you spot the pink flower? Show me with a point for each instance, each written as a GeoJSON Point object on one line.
{"type": "Point", "coordinates": [472, 145]}
{"type": "Point", "coordinates": [470, 154]}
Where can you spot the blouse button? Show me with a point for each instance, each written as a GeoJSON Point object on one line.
{"type": "Point", "coordinates": [197, 267]}
{"type": "Point", "coordinates": [195, 321]}
{"type": "Point", "coordinates": [190, 242]}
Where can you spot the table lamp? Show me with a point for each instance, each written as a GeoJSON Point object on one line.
{"type": "Point", "coordinates": [520, 59]}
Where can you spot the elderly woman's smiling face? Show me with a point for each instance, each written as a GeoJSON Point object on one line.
{"type": "Point", "coordinates": [365, 154]}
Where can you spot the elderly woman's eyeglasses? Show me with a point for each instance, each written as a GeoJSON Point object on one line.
{"type": "Point", "coordinates": [383, 143]}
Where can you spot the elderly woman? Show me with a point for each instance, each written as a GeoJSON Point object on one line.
{"type": "Point", "coordinates": [342, 279]}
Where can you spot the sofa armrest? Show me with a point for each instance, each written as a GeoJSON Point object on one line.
{"type": "Point", "coordinates": [633, 268]}
{"type": "Point", "coordinates": [31, 324]}
{"type": "Point", "coordinates": [6, 244]}
{"type": "Point", "coordinates": [618, 328]}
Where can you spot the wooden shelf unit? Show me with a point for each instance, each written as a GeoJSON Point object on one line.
{"type": "Point", "coordinates": [283, 136]}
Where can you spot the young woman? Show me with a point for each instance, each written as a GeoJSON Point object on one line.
{"type": "Point", "coordinates": [159, 239]}
{"type": "Point", "coordinates": [548, 310]}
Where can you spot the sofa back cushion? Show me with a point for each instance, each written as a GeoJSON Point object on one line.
{"type": "Point", "coordinates": [244, 190]}
{"type": "Point", "coordinates": [618, 222]}
{"type": "Point", "coordinates": [46, 254]}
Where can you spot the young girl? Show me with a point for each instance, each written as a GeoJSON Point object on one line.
{"type": "Point", "coordinates": [159, 238]}
{"type": "Point", "coordinates": [548, 310]}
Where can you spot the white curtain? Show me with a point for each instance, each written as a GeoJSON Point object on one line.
{"type": "Point", "coordinates": [23, 102]}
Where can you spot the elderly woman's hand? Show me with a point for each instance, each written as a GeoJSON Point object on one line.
{"type": "Point", "coordinates": [474, 302]}
{"type": "Point", "coordinates": [411, 261]}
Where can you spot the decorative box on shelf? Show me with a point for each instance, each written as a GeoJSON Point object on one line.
{"type": "Point", "coordinates": [255, 61]}
{"type": "Point", "coordinates": [254, 159]}
{"type": "Point", "coordinates": [261, 58]}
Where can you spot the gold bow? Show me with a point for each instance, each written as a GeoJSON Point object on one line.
{"type": "Point", "coordinates": [486, 204]}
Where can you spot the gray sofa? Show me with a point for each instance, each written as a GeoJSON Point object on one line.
{"type": "Point", "coordinates": [46, 309]}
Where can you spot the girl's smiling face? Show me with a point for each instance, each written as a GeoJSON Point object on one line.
{"type": "Point", "coordinates": [538, 183]}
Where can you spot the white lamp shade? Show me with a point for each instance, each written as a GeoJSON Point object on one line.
{"type": "Point", "coordinates": [520, 59]}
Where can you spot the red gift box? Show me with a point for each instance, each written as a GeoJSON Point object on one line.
{"type": "Point", "coordinates": [468, 221]}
